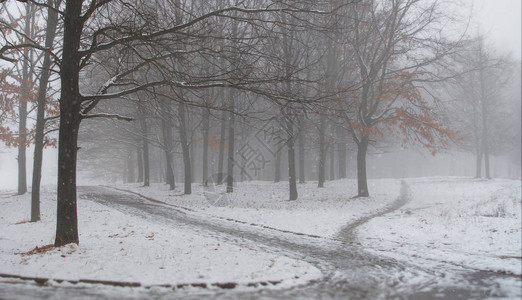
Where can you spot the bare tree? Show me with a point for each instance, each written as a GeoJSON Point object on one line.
{"type": "Point", "coordinates": [480, 88]}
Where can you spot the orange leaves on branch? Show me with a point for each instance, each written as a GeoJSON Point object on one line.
{"type": "Point", "coordinates": [396, 108]}
{"type": "Point", "coordinates": [11, 91]}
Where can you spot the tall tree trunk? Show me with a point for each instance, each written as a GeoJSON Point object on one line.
{"type": "Point", "coordinates": [231, 137]}
{"type": "Point", "coordinates": [484, 108]}
{"type": "Point", "coordinates": [485, 141]}
{"type": "Point", "coordinates": [139, 159]}
{"type": "Point", "coordinates": [185, 150]}
{"type": "Point", "coordinates": [362, 182]}
{"type": "Point", "coordinates": [145, 146]}
{"type": "Point", "coordinates": [70, 118]}
{"type": "Point", "coordinates": [22, 108]}
{"type": "Point", "coordinates": [160, 176]}
{"type": "Point", "coordinates": [341, 151]}
{"type": "Point", "coordinates": [167, 138]}
{"type": "Point", "coordinates": [205, 132]}
{"type": "Point", "coordinates": [222, 134]}
{"type": "Point", "coordinates": [332, 159]}
{"type": "Point", "coordinates": [169, 171]}
{"type": "Point", "coordinates": [242, 171]}
{"type": "Point", "coordinates": [302, 136]}
{"type": "Point", "coordinates": [291, 160]}
{"type": "Point", "coordinates": [50, 33]}
{"type": "Point", "coordinates": [322, 152]}
{"type": "Point", "coordinates": [192, 150]}
{"type": "Point", "coordinates": [277, 166]}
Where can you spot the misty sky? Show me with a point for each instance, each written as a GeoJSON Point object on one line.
{"type": "Point", "coordinates": [500, 20]}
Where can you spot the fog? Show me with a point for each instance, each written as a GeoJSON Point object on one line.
{"type": "Point", "coordinates": [244, 149]}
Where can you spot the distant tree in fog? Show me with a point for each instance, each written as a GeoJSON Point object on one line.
{"type": "Point", "coordinates": [395, 46]}
{"type": "Point", "coordinates": [483, 112]}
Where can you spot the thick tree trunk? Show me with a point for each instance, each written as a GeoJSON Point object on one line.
{"type": "Point", "coordinates": [169, 171]}
{"type": "Point", "coordinates": [52, 21]}
{"type": "Point", "coordinates": [291, 161]}
{"type": "Point", "coordinates": [362, 182]}
{"type": "Point", "coordinates": [221, 157]}
{"type": "Point", "coordinates": [185, 149]}
{"type": "Point", "coordinates": [70, 118]}
{"type": "Point", "coordinates": [67, 220]}
{"type": "Point", "coordinates": [322, 152]}
{"type": "Point", "coordinates": [231, 136]}
{"type": "Point", "coordinates": [291, 173]}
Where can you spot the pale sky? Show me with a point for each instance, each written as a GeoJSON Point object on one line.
{"type": "Point", "coordinates": [500, 21]}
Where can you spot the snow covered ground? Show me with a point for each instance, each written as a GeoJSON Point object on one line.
{"type": "Point", "coordinates": [468, 223]}
{"type": "Point", "coordinates": [117, 247]}
{"type": "Point", "coordinates": [473, 223]}
{"type": "Point", "coordinates": [318, 211]}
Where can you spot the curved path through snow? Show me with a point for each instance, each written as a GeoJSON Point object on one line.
{"type": "Point", "coordinates": [349, 271]}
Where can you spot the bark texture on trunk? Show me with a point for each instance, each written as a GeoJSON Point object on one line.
{"type": "Point", "coordinates": [70, 118]}
{"type": "Point", "coordinates": [52, 21]}
{"type": "Point", "coordinates": [291, 161]}
{"type": "Point", "coordinates": [185, 149]}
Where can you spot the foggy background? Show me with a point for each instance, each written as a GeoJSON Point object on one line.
{"type": "Point", "coordinates": [499, 20]}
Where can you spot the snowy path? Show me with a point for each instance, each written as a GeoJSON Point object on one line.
{"type": "Point", "coordinates": [343, 265]}
{"type": "Point", "coordinates": [350, 271]}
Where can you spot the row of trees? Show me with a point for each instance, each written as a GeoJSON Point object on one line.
{"type": "Point", "coordinates": [312, 76]}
